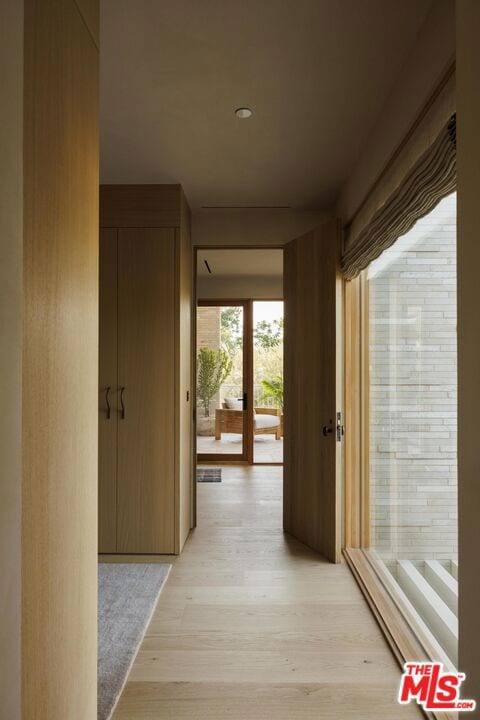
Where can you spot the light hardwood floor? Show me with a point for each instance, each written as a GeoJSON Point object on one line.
{"type": "Point", "coordinates": [253, 625]}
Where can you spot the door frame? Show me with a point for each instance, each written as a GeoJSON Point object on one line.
{"type": "Point", "coordinates": [340, 372]}
{"type": "Point", "coordinates": [195, 301]}
{"type": "Point", "coordinates": [248, 454]}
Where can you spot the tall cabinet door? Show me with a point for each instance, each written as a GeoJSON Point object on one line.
{"type": "Point", "coordinates": [146, 379]}
{"type": "Point", "coordinates": [107, 417]}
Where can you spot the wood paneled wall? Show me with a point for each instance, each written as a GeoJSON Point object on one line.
{"type": "Point", "coordinates": [60, 363]}
{"type": "Point", "coordinates": [11, 303]}
{"type": "Point", "coordinates": [184, 369]}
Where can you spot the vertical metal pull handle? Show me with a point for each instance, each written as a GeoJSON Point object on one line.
{"type": "Point", "coordinates": [107, 393]}
{"type": "Point", "coordinates": [245, 401]}
{"type": "Point", "coordinates": [122, 412]}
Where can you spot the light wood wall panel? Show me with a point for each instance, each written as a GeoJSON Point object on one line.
{"type": "Point", "coordinates": [108, 425]}
{"type": "Point", "coordinates": [352, 413]}
{"type": "Point", "coordinates": [60, 365]}
{"type": "Point", "coordinates": [146, 369]}
{"type": "Point", "coordinates": [90, 12]}
{"type": "Point", "coordinates": [11, 304]}
{"type": "Point", "coordinates": [184, 369]}
{"type": "Point", "coordinates": [140, 206]}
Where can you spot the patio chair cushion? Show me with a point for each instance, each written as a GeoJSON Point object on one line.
{"type": "Point", "coordinates": [266, 421]}
{"type": "Point", "coordinates": [233, 403]}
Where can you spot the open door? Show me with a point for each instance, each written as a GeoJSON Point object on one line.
{"type": "Point", "coordinates": [312, 414]}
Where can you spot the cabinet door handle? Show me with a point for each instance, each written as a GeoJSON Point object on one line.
{"type": "Point", "coordinates": [107, 393]}
{"type": "Point", "coordinates": [122, 412]}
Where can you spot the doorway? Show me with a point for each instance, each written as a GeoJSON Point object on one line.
{"type": "Point", "coordinates": [238, 345]}
{"type": "Point", "coordinates": [310, 286]}
{"type": "Point", "coordinates": [239, 404]}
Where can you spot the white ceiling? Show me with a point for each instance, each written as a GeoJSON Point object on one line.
{"type": "Point", "coordinates": [240, 263]}
{"type": "Point", "coordinates": [315, 72]}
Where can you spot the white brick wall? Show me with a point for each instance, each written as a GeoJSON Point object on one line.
{"type": "Point", "coordinates": [413, 393]}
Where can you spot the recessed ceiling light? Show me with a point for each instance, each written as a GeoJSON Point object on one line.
{"type": "Point", "coordinates": [243, 113]}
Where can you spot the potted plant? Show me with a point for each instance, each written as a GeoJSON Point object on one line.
{"type": "Point", "coordinates": [214, 366]}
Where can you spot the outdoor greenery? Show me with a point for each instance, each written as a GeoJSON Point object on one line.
{"type": "Point", "coordinates": [214, 366]}
{"type": "Point", "coordinates": [268, 334]}
{"type": "Point", "coordinates": [231, 329]}
{"type": "Point", "coordinates": [273, 389]}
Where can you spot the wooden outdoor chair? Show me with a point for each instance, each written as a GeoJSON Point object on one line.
{"type": "Point", "coordinates": [267, 421]}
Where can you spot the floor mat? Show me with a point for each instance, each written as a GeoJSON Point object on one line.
{"type": "Point", "coordinates": [127, 596]}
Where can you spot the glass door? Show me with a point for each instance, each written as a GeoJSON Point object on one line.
{"type": "Point", "coordinates": [268, 381]}
{"type": "Point", "coordinates": [221, 412]}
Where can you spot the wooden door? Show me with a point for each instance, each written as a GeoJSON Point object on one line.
{"type": "Point", "coordinates": [146, 372]}
{"type": "Point", "coordinates": [107, 408]}
{"type": "Point", "coordinates": [312, 291]}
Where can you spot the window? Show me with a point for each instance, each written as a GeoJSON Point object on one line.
{"type": "Point", "coordinates": [410, 392]}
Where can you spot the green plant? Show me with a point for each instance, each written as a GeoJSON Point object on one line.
{"type": "Point", "coordinates": [274, 389]}
{"type": "Point", "coordinates": [231, 329]}
{"type": "Point", "coordinates": [214, 366]}
{"type": "Point", "coordinates": [268, 334]}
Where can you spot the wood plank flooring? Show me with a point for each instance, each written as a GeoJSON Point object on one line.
{"type": "Point", "coordinates": [253, 625]}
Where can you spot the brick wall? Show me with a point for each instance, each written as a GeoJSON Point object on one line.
{"type": "Point", "coordinates": [413, 393]}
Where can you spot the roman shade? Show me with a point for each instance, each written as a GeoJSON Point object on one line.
{"type": "Point", "coordinates": [422, 172]}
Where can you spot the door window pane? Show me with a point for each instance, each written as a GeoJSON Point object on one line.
{"type": "Point", "coordinates": [268, 381]}
{"type": "Point", "coordinates": [220, 381]}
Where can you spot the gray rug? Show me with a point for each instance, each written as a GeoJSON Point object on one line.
{"type": "Point", "coordinates": [127, 596]}
{"type": "Point", "coordinates": [209, 474]}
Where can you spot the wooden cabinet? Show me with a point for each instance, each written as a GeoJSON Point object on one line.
{"type": "Point", "coordinates": [145, 472]}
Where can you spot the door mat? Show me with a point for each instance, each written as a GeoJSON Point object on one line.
{"type": "Point", "coordinates": [127, 596]}
{"type": "Point", "coordinates": [209, 474]}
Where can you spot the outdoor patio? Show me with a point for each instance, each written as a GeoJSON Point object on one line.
{"type": "Point", "coordinates": [266, 448]}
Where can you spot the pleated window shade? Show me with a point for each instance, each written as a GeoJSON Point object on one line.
{"type": "Point", "coordinates": [415, 184]}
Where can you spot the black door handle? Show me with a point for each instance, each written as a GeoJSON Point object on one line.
{"type": "Point", "coordinates": [328, 429]}
{"type": "Point", "coordinates": [122, 411]}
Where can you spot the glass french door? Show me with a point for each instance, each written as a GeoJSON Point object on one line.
{"type": "Point", "coordinates": [268, 382]}
{"type": "Point", "coordinates": [222, 409]}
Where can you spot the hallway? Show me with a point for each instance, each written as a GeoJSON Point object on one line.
{"type": "Point", "coordinates": [254, 625]}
